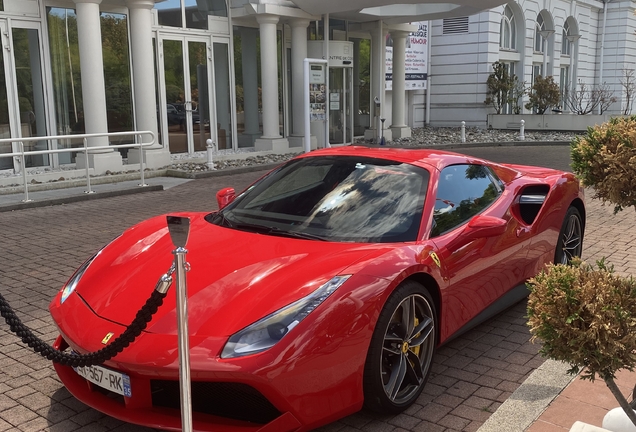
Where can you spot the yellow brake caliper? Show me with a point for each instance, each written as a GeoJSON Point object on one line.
{"type": "Point", "coordinates": [416, 350]}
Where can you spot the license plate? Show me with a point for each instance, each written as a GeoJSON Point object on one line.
{"type": "Point", "coordinates": [116, 382]}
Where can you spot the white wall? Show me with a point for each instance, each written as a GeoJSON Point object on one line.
{"type": "Point", "coordinates": [619, 50]}
{"type": "Point", "coordinates": [461, 63]}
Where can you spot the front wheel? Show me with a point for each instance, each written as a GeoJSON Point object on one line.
{"type": "Point", "coordinates": [570, 243]}
{"type": "Point", "coordinates": [401, 350]}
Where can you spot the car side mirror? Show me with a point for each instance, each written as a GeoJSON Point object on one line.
{"type": "Point", "coordinates": [225, 196]}
{"type": "Point", "coordinates": [484, 226]}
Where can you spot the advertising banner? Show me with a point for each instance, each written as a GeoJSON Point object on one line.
{"type": "Point", "coordinates": [317, 93]}
{"type": "Point", "coordinates": [415, 67]}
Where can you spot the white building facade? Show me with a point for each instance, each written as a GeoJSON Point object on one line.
{"type": "Point", "coordinates": [576, 42]}
{"type": "Point", "coordinates": [197, 70]}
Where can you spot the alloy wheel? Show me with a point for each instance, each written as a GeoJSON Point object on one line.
{"type": "Point", "coordinates": [571, 239]}
{"type": "Point", "coordinates": [407, 348]}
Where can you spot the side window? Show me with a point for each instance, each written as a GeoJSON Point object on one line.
{"type": "Point", "coordinates": [463, 191]}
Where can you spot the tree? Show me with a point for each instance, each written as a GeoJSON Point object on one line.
{"type": "Point", "coordinates": [499, 84]}
{"type": "Point", "coordinates": [584, 100]}
{"type": "Point", "coordinates": [605, 97]}
{"type": "Point", "coordinates": [628, 81]}
{"type": "Point", "coordinates": [516, 93]}
{"type": "Point", "coordinates": [578, 99]}
{"type": "Point", "coordinates": [544, 94]}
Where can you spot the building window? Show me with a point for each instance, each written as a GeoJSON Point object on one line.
{"type": "Point", "coordinates": [512, 107]}
{"type": "Point", "coordinates": [247, 76]}
{"type": "Point", "coordinates": [539, 44]}
{"type": "Point", "coordinates": [172, 13]}
{"type": "Point", "coordinates": [169, 13]}
{"type": "Point", "coordinates": [117, 74]}
{"type": "Point", "coordinates": [564, 81]}
{"type": "Point", "coordinates": [537, 70]}
{"type": "Point", "coordinates": [507, 30]}
{"type": "Point", "coordinates": [67, 80]}
{"type": "Point", "coordinates": [65, 68]}
{"type": "Point", "coordinates": [566, 47]}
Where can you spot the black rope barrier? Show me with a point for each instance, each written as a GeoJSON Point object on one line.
{"type": "Point", "coordinates": [143, 317]}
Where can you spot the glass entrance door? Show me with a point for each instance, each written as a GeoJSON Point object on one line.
{"type": "Point", "coordinates": [22, 102]}
{"type": "Point", "coordinates": [187, 107]}
{"type": "Point", "coordinates": [340, 105]}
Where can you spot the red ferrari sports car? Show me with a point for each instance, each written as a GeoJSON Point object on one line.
{"type": "Point", "coordinates": [323, 288]}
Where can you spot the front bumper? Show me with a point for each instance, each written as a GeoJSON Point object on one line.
{"type": "Point", "coordinates": [216, 406]}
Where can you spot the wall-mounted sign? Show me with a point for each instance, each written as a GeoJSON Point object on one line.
{"type": "Point", "coordinates": [316, 74]}
{"type": "Point", "coordinates": [340, 52]}
{"type": "Point", "coordinates": [415, 64]}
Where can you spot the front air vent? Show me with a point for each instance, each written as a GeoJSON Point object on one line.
{"type": "Point", "coordinates": [457, 25]}
{"type": "Point", "coordinates": [224, 399]}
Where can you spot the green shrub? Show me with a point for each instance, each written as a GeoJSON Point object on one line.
{"type": "Point", "coordinates": [605, 158]}
{"type": "Point", "coordinates": [585, 317]}
{"type": "Point", "coordinates": [544, 94]}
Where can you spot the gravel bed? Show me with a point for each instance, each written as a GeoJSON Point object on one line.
{"type": "Point", "coordinates": [427, 136]}
{"type": "Point", "coordinates": [436, 136]}
{"type": "Point", "coordinates": [190, 166]}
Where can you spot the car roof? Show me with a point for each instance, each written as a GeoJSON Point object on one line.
{"type": "Point", "coordinates": [434, 158]}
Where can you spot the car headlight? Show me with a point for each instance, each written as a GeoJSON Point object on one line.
{"type": "Point", "coordinates": [74, 280]}
{"type": "Point", "coordinates": [266, 332]}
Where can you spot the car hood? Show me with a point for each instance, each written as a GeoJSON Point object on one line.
{"type": "Point", "coordinates": [235, 277]}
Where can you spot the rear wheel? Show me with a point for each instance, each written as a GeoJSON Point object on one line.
{"type": "Point", "coordinates": [570, 244]}
{"type": "Point", "coordinates": [401, 351]}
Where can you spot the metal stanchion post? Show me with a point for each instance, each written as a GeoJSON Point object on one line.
{"type": "Point", "coordinates": [463, 131]}
{"type": "Point", "coordinates": [179, 228]}
{"type": "Point", "coordinates": [522, 130]}
{"type": "Point", "coordinates": [141, 161]}
{"type": "Point", "coordinates": [88, 176]}
{"type": "Point", "coordinates": [382, 140]}
{"type": "Point", "coordinates": [24, 173]}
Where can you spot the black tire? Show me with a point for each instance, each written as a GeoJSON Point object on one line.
{"type": "Point", "coordinates": [570, 243]}
{"type": "Point", "coordinates": [401, 351]}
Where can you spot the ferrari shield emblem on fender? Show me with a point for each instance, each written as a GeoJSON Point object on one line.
{"type": "Point", "coordinates": [107, 338]}
{"type": "Point", "coordinates": [436, 259]}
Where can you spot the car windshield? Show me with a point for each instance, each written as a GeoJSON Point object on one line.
{"type": "Point", "coordinates": [333, 198]}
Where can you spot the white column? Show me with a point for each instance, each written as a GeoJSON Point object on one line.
{"type": "Point", "coordinates": [93, 88]}
{"type": "Point", "coordinates": [298, 56]}
{"type": "Point", "coordinates": [399, 128]}
{"type": "Point", "coordinates": [143, 76]}
{"type": "Point", "coordinates": [378, 71]}
{"type": "Point", "coordinates": [271, 139]}
{"type": "Point", "coordinates": [250, 88]}
{"type": "Point", "coordinates": [356, 83]}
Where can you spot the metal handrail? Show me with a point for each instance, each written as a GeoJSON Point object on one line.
{"type": "Point", "coordinates": [86, 150]}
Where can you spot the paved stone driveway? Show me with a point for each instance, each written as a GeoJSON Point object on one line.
{"type": "Point", "coordinates": [40, 248]}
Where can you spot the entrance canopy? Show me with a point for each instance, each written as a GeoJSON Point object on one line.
{"type": "Point", "coordinates": [395, 12]}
